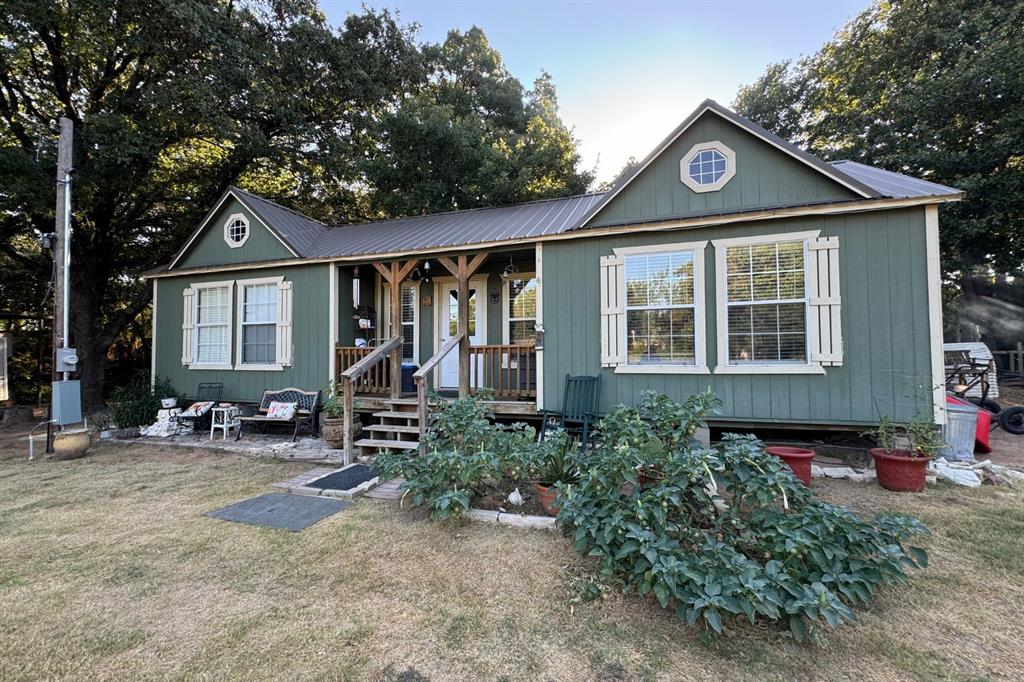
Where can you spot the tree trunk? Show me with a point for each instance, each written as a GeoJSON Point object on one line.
{"type": "Point", "coordinates": [89, 338]}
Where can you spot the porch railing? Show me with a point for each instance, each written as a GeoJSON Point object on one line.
{"type": "Point", "coordinates": [377, 378]}
{"type": "Point", "coordinates": [509, 369]}
{"type": "Point", "coordinates": [420, 377]}
{"type": "Point", "coordinates": [351, 376]}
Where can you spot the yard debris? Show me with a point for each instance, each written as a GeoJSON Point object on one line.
{"type": "Point", "coordinates": [974, 474]}
{"type": "Point", "coordinates": [515, 498]}
{"type": "Point", "coordinates": [838, 472]}
{"type": "Point", "coordinates": [165, 425]}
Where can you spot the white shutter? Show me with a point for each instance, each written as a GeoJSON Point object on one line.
{"type": "Point", "coordinates": [188, 325]}
{"type": "Point", "coordinates": [823, 289]}
{"type": "Point", "coordinates": [284, 323]}
{"type": "Point", "coordinates": [613, 312]}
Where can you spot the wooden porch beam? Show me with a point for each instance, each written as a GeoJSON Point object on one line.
{"type": "Point", "coordinates": [449, 265]}
{"type": "Point", "coordinates": [384, 272]}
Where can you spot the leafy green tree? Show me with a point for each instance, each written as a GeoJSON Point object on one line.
{"type": "Point", "coordinates": [471, 136]}
{"type": "Point", "coordinates": [934, 89]}
{"type": "Point", "coordinates": [172, 101]}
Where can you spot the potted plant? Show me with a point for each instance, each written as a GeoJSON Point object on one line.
{"type": "Point", "coordinates": [798, 459]}
{"type": "Point", "coordinates": [332, 418]}
{"type": "Point", "coordinates": [903, 469]}
{"type": "Point", "coordinates": [555, 464]}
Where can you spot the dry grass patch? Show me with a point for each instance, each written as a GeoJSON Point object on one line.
{"type": "Point", "coordinates": [109, 570]}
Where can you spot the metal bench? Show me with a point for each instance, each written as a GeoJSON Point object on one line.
{"type": "Point", "coordinates": [306, 405]}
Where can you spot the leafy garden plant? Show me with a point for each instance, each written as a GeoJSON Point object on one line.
{"type": "Point", "coordinates": [137, 403]}
{"type": "Point", "coordinates": [465, 455]}
{"type": "Point", "coordinates": [723, 534]}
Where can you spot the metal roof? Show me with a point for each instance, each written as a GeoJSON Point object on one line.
{"type": "Point", "coordinates": [456, 228]}
{"type": "Point", "coordinates": [301, 232]}
{"type": "Point", "coordinates": [894, 185]}
{"type": "Point", "coordinates": [309, 238]}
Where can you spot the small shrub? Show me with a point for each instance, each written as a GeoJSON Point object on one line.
{"type": "Point", "coordinates": [465, 454]}
{"type": "Point", "coordinates": [556, 460]}
{"type": "Point", "coordinates": [723, 534]}
{"type": "Point", "coordinates": [137, 403]}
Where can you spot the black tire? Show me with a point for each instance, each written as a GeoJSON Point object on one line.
{"type": "Point", "coordinates": [1012, 419]}
{"type": "Point", "coordinates": [988, 404]}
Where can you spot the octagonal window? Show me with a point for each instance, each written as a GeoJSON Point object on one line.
{"type": "Point", "coordinates": [707, 167]}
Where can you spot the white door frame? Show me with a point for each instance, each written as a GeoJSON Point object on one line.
{"type": "Point", "coordinates": [479, 283]}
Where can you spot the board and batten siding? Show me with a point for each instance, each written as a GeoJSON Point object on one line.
{"type": "Point", "coordinates": [310, 334]}
{"type": "Point", "coordinates": [886, 367]}
{"type": "Point", "coordinates": [209, 247]}
{"type": "Point", "coordinates": [764, 177]}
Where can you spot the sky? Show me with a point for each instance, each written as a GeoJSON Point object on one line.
{"type": "Point", "coordinates": [627, 73]}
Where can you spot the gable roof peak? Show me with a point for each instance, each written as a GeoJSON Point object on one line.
{"type": "Point", "coordinates": [746, 124]}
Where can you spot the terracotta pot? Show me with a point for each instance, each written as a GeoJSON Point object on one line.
{"type": "Point", "coordinates": [899, 471]}
{"type": "Point", "coordinates": [798, 459]}
{"type": "Point", "coordinates": [547, 495]}
{"type": "Point", "coordinates": [70, 444]}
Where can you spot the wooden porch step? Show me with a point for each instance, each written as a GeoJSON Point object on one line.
{"type": "Point", "coordinates": [401, 401]}
{"type": "Point", "coordinates": [393, 428]}
{"type": "Point", "coordinates": [391, 414]}
{"type": "Point", "coordinates": [389, 444]}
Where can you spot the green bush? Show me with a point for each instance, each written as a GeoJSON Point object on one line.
{"type": "Point", "coordinates": [722, 534]}
{"type": "Point", "coordinates": [137, 403]}
{"type": "Point", "coordinates": [465, 454]}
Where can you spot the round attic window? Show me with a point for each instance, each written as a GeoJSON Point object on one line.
{"type": "Point", "coordinates": [707, 167]}
{"type": "Point", "coordinates": [236, 230]}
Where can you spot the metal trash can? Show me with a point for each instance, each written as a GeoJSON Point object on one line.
{"type": "Point", "coordinates": [959, 432]}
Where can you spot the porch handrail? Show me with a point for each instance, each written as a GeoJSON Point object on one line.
{"type": "Point", "coordinates": [420, 377]}
{"type": "Point", "coordinates": [348, 389]}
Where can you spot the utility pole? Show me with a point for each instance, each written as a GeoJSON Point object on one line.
{"type": "Point", "coordinates": [62, 247]}
{"type": "Point", "coordinates": [62, 267]}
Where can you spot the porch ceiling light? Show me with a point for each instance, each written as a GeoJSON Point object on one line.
{"type": "Point", "coordinates": [510, 270]}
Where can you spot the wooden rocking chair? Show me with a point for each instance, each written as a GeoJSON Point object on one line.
{"type": "Point", "coordinates": [579, 409]}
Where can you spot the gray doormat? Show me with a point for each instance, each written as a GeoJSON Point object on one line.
{"type": "Point", "coordinates": [280, 510]}
{"type": "Point", "coordinates": [345, 479]}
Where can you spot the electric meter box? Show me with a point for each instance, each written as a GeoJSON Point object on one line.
{"type": "Point", "coordinates": [67, 360]}
{"type": "Point", "coordinates": [67, 403]}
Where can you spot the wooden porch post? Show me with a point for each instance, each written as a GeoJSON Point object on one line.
{"type": "Point", "coordinates": [394, 276]}
{"type": "Point", "coordinates": [463, 270]}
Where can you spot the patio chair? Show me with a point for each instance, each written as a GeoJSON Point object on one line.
{"type": "Point", "coordinates": [197, 415]}
{"type": "Point", "coordinates": [579, 409]}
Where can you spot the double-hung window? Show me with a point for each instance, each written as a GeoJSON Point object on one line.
{"type": "Point", "coordinates": [660, 293]}
{"type": "Point", "coordinates": [258, 322]}
{"type": "Point", "coordinates": [763, 304]}
{"type": "Point", "coordinates": [521, 305]}
{"type": "Point", "coordinates": [408, 318]}
{"type": "Point", "coordinates": [213, 325]}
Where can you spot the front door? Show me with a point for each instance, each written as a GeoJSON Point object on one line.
{"type": "Point", "coordinates": [448, 325]}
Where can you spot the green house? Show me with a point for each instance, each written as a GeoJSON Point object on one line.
{"type": "Point", "coordinates": [801, 292]}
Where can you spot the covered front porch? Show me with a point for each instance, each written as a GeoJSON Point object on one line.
{"type": "Point", "coordinates": [447, 325]}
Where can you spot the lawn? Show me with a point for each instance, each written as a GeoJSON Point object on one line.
{"type": "Point", "coordinates": [109, 570]}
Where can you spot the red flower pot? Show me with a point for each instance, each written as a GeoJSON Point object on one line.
{"type": "Point", "coordinates": [547, 496]}
{"type": "Point", "coordinates": [798, 459]}
{"type": "Point", "coordinates": [899, 471]}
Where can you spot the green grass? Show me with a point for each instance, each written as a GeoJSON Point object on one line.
{"type": "Point", "coordinates": [108, 569]}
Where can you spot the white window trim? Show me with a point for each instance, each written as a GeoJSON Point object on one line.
{"type": "Point", "coordinates": [248, 230]}
{"type": "Point", "coordinates": [700, 365]}
{"type": "Point", "coordinates": [239, 314]}
{"type": "Point", "coordinates": [386, 319]}
{"type": "Point", "coordinates": [721, 308]}
{"type": "Point", "coordinates": [195, 364]}
{"type": "Point", "coordinates": [506, 316]}
{"type": "Point", "coordinates": [730, 166]}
